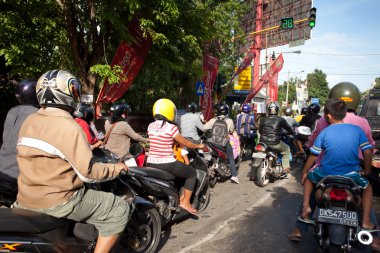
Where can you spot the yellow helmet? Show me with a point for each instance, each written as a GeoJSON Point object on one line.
{"type": "Point", "coordinates": [166, 108]}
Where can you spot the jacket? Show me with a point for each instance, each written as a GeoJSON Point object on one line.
{"type": "Point", "coordinates": [55, 160]}
{"type": "Point", "coordinates": [271, 129]}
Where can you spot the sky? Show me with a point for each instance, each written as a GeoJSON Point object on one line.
{"type": "Point", "coordinates": [344, 44]}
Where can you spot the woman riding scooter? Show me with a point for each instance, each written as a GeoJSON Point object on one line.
{"type": "Point", "coordinates": [162, 133]}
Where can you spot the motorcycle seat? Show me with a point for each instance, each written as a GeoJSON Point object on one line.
{"type": "Point", "coordinates": [156, 173]}
{"type": "Point", "coordinates": [14, 220]}
{"type": "Point", "coordinates": [337, 181]}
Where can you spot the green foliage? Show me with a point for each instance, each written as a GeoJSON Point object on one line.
{"type": "Point", "coordinates": [105, 71]}
{"type": "Point", "coordinates": [318, 86]}
{"type": "Point", "coordinates": [292, 96]}
{"type": "Point", "coordinates": [377, 83]}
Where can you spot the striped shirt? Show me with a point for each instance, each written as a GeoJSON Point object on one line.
{"type": "Point", "coordinates": [161, 142]}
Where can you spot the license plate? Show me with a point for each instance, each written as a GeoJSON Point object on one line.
{"type": "Point", "coordinates": [342, 217]}
{"type": "Point", "coordinates": [259, 155]}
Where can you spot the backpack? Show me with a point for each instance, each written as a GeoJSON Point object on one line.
{"type": "Point", "coordinates": [219, 133]}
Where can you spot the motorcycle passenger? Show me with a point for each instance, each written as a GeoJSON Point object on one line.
{"type": "Point", "coordinates": [55, 160]}
{"type": "Point", "coordinates": [162, 134]}
{"type": "Point", "coordinates": [222, 111]}
{"type": "Point", "coordinates": [351, 95]}
{"type": "Point", "coordinates": [190, 123]}
{"type": "Point", "coordinates": [350, 139]}
{"type": "Point", "coordinates": [301, 115]}
{"type": "Point", "coordinates": [309, 121]}
{"type": "Point", "coordinates": [271, 129]}
{"type": "Point", "coordinates": [26, 95]}
{"type": "Point", "coordinates": [119, 132]}
{"type": "Point", "coordinates": [83, 116]}
{"type": "Point", "coordinates": [245, 122]}
{"type": "Point", "coordinates": [288, 113]}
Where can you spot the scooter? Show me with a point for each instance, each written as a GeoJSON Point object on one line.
{"type": "Point", "coordinates": [337, 218]}
{"type": "Point", "coordinates": [28, 231]}
{"type": "Point", "coordinates": [164, 189]}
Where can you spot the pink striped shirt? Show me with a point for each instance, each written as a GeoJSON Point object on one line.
{"type": "Point", "coordinates": [161, 142]}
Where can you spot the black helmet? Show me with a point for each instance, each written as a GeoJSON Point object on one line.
{"type": "Point", "coordinates": [58, 88]}
{"type": "Point", "coordinates": [26, 92]}
{"type": "Point", "coordinates": [313, 108]}
{"type": "Point", "coordinates": [288, 111]}
{"type": "Point", "coordinates": [117, 111]}
{"type": "Point", "coordinates": [303, 110]}
{"type": "Point", "coordinates": [86, 112]}
{"type": "Point", "coordinates": [192, 107]}
{"type": "Point", "coordinates": [347, 92]}
{"type": "Point", "coordinates": [273, 108]}
{"type": "Point", "coordinates": [222, 109]}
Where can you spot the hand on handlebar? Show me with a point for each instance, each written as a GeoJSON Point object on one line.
{"type": "Point", "coordinates": [201, 146]}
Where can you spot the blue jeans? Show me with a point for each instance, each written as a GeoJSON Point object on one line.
{"type": "Point", "coordinates": [231, 159]}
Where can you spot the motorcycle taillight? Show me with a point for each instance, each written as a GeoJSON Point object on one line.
{"type": "Point", "coordinates": [338, 194]}
{"type": "Point", "coordinates": [260, 148]}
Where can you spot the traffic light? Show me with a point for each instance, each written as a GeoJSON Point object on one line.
{"type": "Point", "coordinates": [313, 12]}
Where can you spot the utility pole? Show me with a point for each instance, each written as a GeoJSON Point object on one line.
{"type": "Point", "coordinates": [287, 89]}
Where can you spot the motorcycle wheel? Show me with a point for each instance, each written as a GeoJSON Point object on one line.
{"type": "Point", "coordinates": [212, 181]}
{"type": "Point", "coordinates": [204, 200]}
{"type": "Point", "coordinates": [146, 237]}
{"type": "Point", "coordinates": [262, 175]}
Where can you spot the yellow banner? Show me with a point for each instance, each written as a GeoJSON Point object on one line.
{"type": "Point", "coordinates": [242, 82]}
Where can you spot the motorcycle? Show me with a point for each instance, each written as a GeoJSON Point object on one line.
{"type": "Point", "coordinates": [266, 165]}
{"type": "Point", "coordinates": [164, 189]}
{"type": "Point", "coordinates": [337, 219]}
{"type": "Point", "coordinates": [217, 165]}
{"type": "Point", "coordinates": [28, 231]}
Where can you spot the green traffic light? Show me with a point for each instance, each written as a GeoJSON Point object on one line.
{"type": "Point", "coordinates": [312, 24]}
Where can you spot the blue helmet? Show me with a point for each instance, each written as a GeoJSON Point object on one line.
{"type": "Point", "coordinates": [246, 108]}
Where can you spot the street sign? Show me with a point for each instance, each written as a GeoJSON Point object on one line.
{"type": "Point", "coordinates": [200, 88]}
{"type": "Point", "coordinates": [314, 101]}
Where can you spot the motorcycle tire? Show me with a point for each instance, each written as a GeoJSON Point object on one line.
{"type": "Point", "coordinates": [262, 175]}
{"type": "Point", "coordinates": [213, 181]}
{"type": "Point", "coordinates": [205, 200]}
{"type": "Point", "coordinates": [147, 238]}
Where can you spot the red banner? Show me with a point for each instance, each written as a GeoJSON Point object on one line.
{"type": "Point", "coordinates": [275, 67]}
{"type": "Point", "coordinates": [273, 87]}
{"type": "Point", "coordinates": [210, 70]}
{"type": "Point", "coordinates": [130, 58]}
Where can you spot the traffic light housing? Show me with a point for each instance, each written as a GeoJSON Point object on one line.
{"type": "Point", "coordinates": [313, 13]}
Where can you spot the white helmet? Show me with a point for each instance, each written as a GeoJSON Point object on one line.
{"type": "Point", "coordinates": [304, 130]}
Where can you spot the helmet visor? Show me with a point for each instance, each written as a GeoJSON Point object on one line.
{"type": "Point", "coordinates": [75, 89]}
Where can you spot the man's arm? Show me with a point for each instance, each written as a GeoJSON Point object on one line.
{"type": "Point", "coordinates": [132, 134]}
{"type": "Point", "coordinates": [199, 124]}
{"type": "Point", "coordinates": [367, 154]}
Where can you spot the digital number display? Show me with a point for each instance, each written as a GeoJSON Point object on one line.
{"type": "Point", "coordinates": [287, 23]}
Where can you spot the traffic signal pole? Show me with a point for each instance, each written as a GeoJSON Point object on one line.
{"type": "Point", "coordinates": [257, 43]}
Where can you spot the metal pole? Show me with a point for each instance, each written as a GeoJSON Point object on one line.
{"type": "Point", "coordinates": [257, 43]}
{"type": "Point", "coordinates": [287, 89]}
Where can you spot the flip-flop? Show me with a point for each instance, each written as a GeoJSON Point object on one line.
{"type": "Point", "coordinates": [295, 238]}
{"type": "Point", "coordinates": [370, 229]}
{"type": "Point", "coordinates": [375, 248]}
{"type": "Point", "coordinates": [195, 214]}
{"type": "Point", "coordinates": [307, 221]}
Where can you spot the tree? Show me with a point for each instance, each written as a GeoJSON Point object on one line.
{"type": "Point", "coordinates": [78, 34]}
{"type": "Point", "coordinates": [318, 86]}
{"type": "Point", "coordinates": [377, 83]}
{"type": "Point", "coordinates": [292, 96]}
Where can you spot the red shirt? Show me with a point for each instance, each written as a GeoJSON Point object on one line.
{"type": "Point", "coordinates": [87, 130]}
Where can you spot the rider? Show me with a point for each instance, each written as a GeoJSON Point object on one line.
{"type": "Point", "coordinates": [301, 115]}
{"type": "Point", "coordinates": [271, 129]}
{"type": "Point", "coordinates": [190, 123]}
{"type": "Point", "coordinates": [222, 111]}
{"type": "Point", "coordinates": [245, 122]}
{"type": "Point", "coordinates": [351, 94]}
{"type": "Point", "coordinates": [26, 96]}
{"type": "Point", "coordinates": [83, 116]}
{"type": "Point", "coordinates": [309, 121]}
{"type": "Point", "coordinates": [350, 139]}
{"type": "Point", "coordinates": [119, 132]}
{"type": "Point", "coordinates": [55, 160]}
{"type": "Point", "coordinates": [288, 117]}
{"type": "Point", "coordinates": [162, 134]}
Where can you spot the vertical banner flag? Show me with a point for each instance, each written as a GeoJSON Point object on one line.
{"type": "Point", "coordinates": [130, 58]}
{"type": "Point", "coordinates": [243, 65]}
{"type": "Point", "coordinates": [273, 86]}
{"type": "Point", "coordinates": [275, 67]}
{"type": "Point", "coordinates": [210, 70]}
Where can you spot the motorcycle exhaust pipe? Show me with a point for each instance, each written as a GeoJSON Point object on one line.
{"type": "Point", "coordinates": [365, 237]}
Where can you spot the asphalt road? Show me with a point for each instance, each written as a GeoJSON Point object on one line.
{"type": "Point", "coordinates": [245, 218]}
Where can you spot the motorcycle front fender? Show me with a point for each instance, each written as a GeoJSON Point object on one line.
{"type": "Point", "coordinates": [143, 204]}
{"type": "Point", "coordinates": [257, 162]}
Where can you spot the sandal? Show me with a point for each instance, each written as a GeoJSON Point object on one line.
{"type": "Point", "coordinates": [189, 211]}
{"type": "Point", "coordinates": [370, 229]}
{"type": "Point", "coordinates": [307, 221]}
{"type": "Point", "coordinates": [295, 238]}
